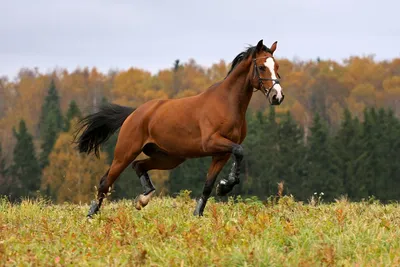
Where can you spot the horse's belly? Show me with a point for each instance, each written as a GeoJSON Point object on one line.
{"type": "Point", "coordinates": [176, 137]}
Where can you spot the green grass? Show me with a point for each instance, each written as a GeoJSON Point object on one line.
{"type": "Point", "coordinates": [234, 233]}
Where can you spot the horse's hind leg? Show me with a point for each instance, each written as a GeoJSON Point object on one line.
{"type": "Point", "coordinates": [124, 154]}
{"type": "Point", "coordinates": [157, 161]}
{"type": "Point", "coordinates": [117, 167]}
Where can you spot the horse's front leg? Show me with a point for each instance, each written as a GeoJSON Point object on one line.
{"type": "Point", "coordinates": [226, 185]}
{"type": "Point", "coordinates": [216, 166]}
{"type": "Point", "coordinates": [219, 144]}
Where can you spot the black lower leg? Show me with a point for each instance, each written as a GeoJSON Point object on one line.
{"type": "Point", "coordinates": [102, 191]}
{"type": "Point", "coordinates": [94, 207]}
{"type": "Point", "coordinates": [147, 184]}
{"type": "Point", "coordinates": [226, 185]}
{"type": "Point", "coordinates": [201, 203]}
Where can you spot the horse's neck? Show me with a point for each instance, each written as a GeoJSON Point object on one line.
{"type": "Point", "coordinates": [239, 88]}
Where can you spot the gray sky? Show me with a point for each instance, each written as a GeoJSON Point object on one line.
{"type": "Point", "coordinates": [151, 34]}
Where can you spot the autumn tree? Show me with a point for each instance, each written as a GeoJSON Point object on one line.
{"type": "Point", "coordinates": [134, 87]}
{"type": "Point", "coordinates": [176, 77]}
{"type": "Point", "coordinates": [71, 176]}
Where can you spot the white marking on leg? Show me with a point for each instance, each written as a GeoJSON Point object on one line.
{"type": "Point", "coordinates": [270, 64]}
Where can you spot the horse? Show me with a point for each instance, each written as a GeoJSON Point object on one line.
{"type": "Point", "coordinates": [170, 131]}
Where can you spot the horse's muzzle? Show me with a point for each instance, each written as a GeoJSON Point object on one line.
{"type": "Point", "coordinates": [274, 99]}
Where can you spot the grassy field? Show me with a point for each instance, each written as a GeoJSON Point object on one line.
{"type": "Point", "coordinates": [234, 233]}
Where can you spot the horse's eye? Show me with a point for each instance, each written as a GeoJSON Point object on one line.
{"type": "Point", "coordinates": [263, 68]}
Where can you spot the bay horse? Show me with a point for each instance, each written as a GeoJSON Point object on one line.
{"type": "Point", "coordinates": [170, 131]}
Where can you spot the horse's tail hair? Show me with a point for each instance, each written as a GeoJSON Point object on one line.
{"type": "Point", "coordinates": [100, 126]}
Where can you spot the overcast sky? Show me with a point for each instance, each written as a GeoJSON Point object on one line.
{"type": "Point", "coordinates": [151, 34]}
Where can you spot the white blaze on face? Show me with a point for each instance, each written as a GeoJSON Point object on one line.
{"type": "Point", "coordinates": [270, 64]}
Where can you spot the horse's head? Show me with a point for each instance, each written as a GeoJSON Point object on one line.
{"type": "Point", "coordinates": [264, 73]}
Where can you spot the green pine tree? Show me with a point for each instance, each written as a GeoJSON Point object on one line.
{"type": "Point", "coordinates": [370, 137]}
{"type": "Point", "coordinates": [350, 152]}
{"type": "Point", "coordinates": [51, 123]}
{"type": "Point", "coordinates": [261, 148]}
{"type": "Point", "coordinates": [72, 112]}
{"type": "Point", "coordinates": [391, 170]}
{"type": "Point", "coordinates": [383, 156]}
{"type": "Point", "coordinates": [321, 171]}
{"type": "Point", "coordinates": [290, 157]}
{"type": "Point", "coordinates": [4, 183]}
{"type": "Point", "coordinates": [190, 175]}
{"type": "Point", "coordinates": [25, 170]}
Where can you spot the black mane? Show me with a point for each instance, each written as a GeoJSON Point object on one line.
{"type": "Point", "coordinates": [244, 55]}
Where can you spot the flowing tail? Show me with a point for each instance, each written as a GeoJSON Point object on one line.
{"type": "Point", "coordinates": [100, 126]}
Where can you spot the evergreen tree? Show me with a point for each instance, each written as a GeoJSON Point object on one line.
{"type": "Point", "coordinates": [391, 169]}
{"type": "Point", "coordinates": [4, 183]}
{"type": "Point", "coordinates": [25, 169]}
{"type": "Point", "coordinates": [370, 137]}
{"type": "Point", "coordinates": [51, 123]}
{"type": "Point", "coordinates": [290, 157]}
{"type": "Point", "coordinates": [261, 146]}
{"type": "Point", "coordinates": [72, 112]}
{"type": "Point", "coordinates": [349, 150]}
{"type": "Point", "coordinates": [386, 156]}
{"type": "Point", "coordinates": [321, 171]}
{"type": "Point", "coordinates": [190, 175]}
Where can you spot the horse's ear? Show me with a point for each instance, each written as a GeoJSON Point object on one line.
{"type": "Point", "coordinates": [259, 45]}
{"type": "Point", "coordinates": [273, 46]}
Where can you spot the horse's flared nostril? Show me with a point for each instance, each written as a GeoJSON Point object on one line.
{"type": "Point", "coordinates": [274, 98]}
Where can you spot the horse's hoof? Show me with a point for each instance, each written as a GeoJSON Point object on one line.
{"type": "Point", "coordinates": [199, 207]}
{"type": "Point", "coordinates": [142, 200]}
{"type": "Point", "coordinates": [223, 188]}
{"type": "Point", "coordinates": [197, 214]}
{"type": "Point", "coordinates": [89, 218]}
{"type": "Point", "coordinates": [94, 208]}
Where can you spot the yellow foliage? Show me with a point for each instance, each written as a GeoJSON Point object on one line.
{"type": "Point", "coordinates": [186, 93]}
{"type": "Point", "coordinates": [135, 87]}
{"type": "Point", "coordinates": [71, 176]}
{"type": "Point", "coordinates": [364, 93]}
{"type": "Point", "coordinates": [298, 112]}
{"type": "Point", "coordinates": [392, 85]}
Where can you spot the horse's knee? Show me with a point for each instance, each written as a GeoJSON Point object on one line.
{"type": "Point", "coordinates": [238, 151]}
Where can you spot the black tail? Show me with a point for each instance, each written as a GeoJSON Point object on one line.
{"type": "Point", "coordinates": [100, 126]}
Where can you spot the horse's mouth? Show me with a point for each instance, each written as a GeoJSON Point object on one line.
{"type": "Point", "coordinates": [276, 101]}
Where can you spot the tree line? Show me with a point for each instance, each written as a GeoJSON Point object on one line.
{"type": "Point", "coordinates": [357, 159]}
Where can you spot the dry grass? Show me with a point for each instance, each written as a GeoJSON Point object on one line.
{"type": "Point", "coordinates": [235, 233]}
